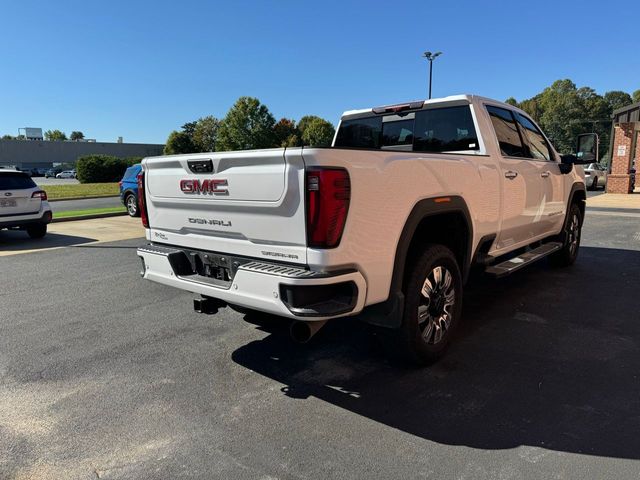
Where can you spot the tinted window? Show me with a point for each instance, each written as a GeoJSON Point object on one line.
{"type": "Point", "coordinates": [15, 181]}
{"type": "Point", "coordinates": [360, 133]}
{"type": "Point", "coordinates": [445, 130]}
{"type": "Point", "coordinates": [538, 148]}
{"type": "Point", "coordinates": [506, 132]}
{"type": "Point", "coordinates": [397, 132]}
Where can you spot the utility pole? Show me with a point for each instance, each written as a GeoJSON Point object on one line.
{"type": "Point", "coordinates": [431, 57]}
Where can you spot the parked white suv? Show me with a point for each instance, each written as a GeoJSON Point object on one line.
{"type": "Point", "coordinates": [23, 205]}
{"type": "Point", "coordinates": [386, 224]}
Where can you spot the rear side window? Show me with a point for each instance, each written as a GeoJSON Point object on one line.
{"type": "Point", "coordinates": [538, 147]}
{"type": "Point", "coordinates": [435, 130]}
{"type": "Point", "coordinates": [506, 132]}
{"type": "Point", "coordinates": [445, 130]}
{"type": "Point", "coordinates": [15, 181]}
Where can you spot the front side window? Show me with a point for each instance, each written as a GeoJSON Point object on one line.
{"type": "Point", "coordinates": [506, 132]}
{"type": "Point", "coordinates": [538, 147]}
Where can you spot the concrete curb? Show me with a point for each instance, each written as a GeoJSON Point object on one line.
{"type": "Point", "coordinates": [83, 198]}
{"type": "Point", "coordinates": [88, 217]}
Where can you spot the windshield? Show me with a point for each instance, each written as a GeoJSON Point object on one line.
{"type": "Point", "coordinates": [446, 129]}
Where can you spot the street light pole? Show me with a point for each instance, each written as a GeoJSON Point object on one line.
{"type": "Point", "coordinates": [431, 57]}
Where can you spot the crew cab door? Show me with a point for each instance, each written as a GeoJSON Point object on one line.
{"type": "Point", "coordinates": [522, 182]}
{"type": "Point", "coordinates": [552, 203]}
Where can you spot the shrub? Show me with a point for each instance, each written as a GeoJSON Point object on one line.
{"type": "Point", "coordinates": [102, 168]}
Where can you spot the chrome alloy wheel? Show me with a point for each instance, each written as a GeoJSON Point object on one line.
{"type": "Point", "coordinates": [573, 234]}
{"type": "Point", "coordinates": [132, 205]}
{"type": "Point", "coordinates": [437, 300]}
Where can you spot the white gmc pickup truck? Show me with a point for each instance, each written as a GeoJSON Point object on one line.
{"type": "Point", "coordinates": [385, 224]}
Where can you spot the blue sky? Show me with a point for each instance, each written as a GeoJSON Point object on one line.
{"type": "Point", "coordinates": [140, 69]}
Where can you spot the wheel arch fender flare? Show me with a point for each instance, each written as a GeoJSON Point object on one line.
{"type": "Point", "coordinates": [578, 194]}
{"type": "Point", "coordinates": [389, 313]}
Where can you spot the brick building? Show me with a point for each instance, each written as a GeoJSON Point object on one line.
{"type": "Point", "coordinates": [625, 148]}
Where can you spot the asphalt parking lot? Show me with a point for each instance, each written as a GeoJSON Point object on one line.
{"type": "Point", "coordinates": [103, 375]}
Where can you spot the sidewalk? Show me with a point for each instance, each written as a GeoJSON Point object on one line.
{"type": "Point", "coordinates": [68, 234]}
{"type": "Point", "coordinates": [615, 200]}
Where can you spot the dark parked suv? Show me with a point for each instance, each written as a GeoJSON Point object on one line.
{"type": "Point", "coordinates": [129, 189]}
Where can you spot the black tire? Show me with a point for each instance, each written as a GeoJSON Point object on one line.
{"type": "Point", "coordinates": [37, 231]}
{"type": "Point", "coordinates": [423, 342]}
{"type": "Point", "coordinates": [131, 203]}
{"type": "Point", "coordinates": [572, 232]}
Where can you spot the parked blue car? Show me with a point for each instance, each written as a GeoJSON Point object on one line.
{"type": "Point", "coordinates": [129, 189]}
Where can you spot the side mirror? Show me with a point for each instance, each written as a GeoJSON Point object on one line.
{"type": "Point", "coordinates": [567, 162]}
{"type": "Point", "coordinates": [587, 148]}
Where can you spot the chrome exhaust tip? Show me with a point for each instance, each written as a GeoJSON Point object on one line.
{"type": "Point", "coordinates": [302, 332]}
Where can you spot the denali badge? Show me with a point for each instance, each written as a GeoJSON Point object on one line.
{"type": "Point", "coordinates": [204, 221]}
{"type": "Point", "coordinates": [214, 186]}
{"type": "Point", "coordinates": [278, 254]}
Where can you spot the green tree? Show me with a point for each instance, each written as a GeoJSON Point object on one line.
{"type": "Point", "coordinates": [8, 137]}
{"type": "Point", "coordinates": [318, 133]}
{"type": "Point", "coordinates": [247, 125]}
{"type": "Point", "coordinates": [564, 111]}
{"type": "Point", "coordinates": [636, 96]}
{"type": "Point", "coordinates": [304, 122]}
{"type": "Point", "coordinates": [617, 99]}
{"type": "Point", "coordinates": [511, 101]}
{"type": "Point", "coordinates": [76, 135]}
{"type": "Point", "coordinates": [55, 135]}
{"type": "Point", "coordinates": [205, 133]}
{"type": "Point", "coordinates": [189, 128]}
{"type": "Point", "coordinates": [179, 142]}
{"type": "Point", "coordinates": [287, 134]}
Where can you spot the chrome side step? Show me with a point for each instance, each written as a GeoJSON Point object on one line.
{"type": "Point", "coordinates": [514, 264]}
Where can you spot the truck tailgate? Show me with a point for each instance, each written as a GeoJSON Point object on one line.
{"type": "Point", "coordinates": [248, 203]}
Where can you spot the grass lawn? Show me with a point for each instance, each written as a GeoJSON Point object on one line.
{"type": "Point", "coordinates": [89, 211]}
{"type": "Point", "coordinates": [80, 190]}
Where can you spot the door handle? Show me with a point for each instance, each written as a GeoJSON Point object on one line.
{"type": "Point", "coordinates": [511, 174]}
{"type": "Point", "coordinates": [545, 174]}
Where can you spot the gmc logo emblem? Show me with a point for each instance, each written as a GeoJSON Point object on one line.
{"type": "Point", "coordinates": [213, 186]}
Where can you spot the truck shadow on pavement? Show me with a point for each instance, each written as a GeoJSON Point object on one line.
{"type": "Point", "coordinates": [15, 240]}
{"type": "Point", "coordinates": [547, 358]}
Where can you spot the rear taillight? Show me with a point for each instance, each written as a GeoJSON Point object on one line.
{"type": "Point", "coordinates": [142, 204]}
{"type": "Point", "coordinates": [120, 184]}
{"type": "Point", "coordinates": [41, 194]}
{"type": "Point", "coordinates": [328, 196]}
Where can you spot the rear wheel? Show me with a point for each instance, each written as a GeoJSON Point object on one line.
{"type": "Point", "coordinates": [37, 231]}
{"type": "Point", "coordinates": [569, 251]}
{"type": "Point", "coordinates": [433, 300]}
{"type": "Point", "coordinates": [132, 205]}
